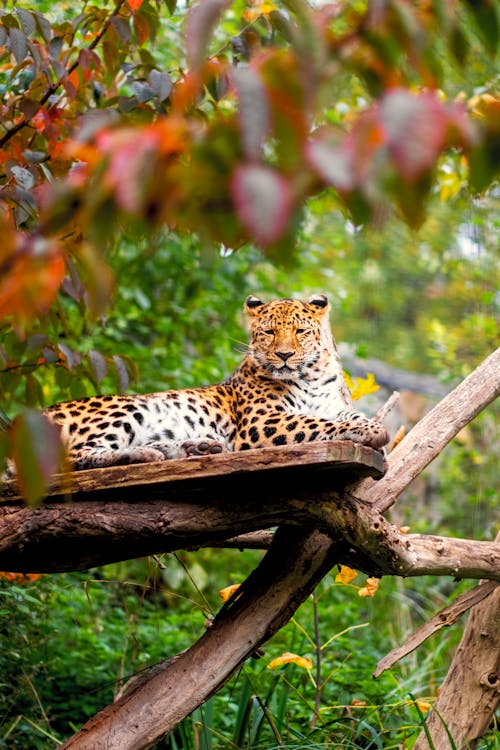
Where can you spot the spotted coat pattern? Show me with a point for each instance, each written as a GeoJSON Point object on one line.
{"type": "Point", "coordinates": [288, 390]}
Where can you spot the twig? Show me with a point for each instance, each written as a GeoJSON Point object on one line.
{"type": "Point", "coordinates": [37, 698]}
{"type": "Point", "coordinates": [389, 405]}
{"type": "Point", "coordinates": [442, 619]}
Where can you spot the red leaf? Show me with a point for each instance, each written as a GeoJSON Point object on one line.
{"type": "Point", "coordinates": [141, 28]}
{"type": "Point", "coordinates": [134, 4]}
{"type": "Point", "coordinates": [333, 161]}
{"type": "Point", "coordinates": [263, 202]}
{"type": "Point", "coordinates": [200, 23]}
{"type": "Point", "coordinates": [37, 452]}
{"type": "Point", "coordinates": [254, 109]}
{"type": "Point", "coordinates": [416, 128]}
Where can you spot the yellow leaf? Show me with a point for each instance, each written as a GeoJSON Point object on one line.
{"type": "Point", "coordinates": [398, 436]}
{"type": "Point", "coordinates": [423, 705]}
{"type": "Point", "coordinates": [370, 587]}
{"type": "Point", "coordinates": [346, 575]}
{"type": "Point", "coordinates": [361, 386]}
{"type": "Point", "coordinates": [259, 9]}
{"type": "Point", "coordinates": [288, 658]}
{"type": "Point", "coordinates": [226, 593]}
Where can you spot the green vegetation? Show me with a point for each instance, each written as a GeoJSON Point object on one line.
{"type": "Point", "coordinates": [144, 300]}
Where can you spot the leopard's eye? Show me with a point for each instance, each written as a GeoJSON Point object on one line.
{"type": "Point", "coordinates": [300, 330]}
{"type": "Point", "coordinates": [269, 332]}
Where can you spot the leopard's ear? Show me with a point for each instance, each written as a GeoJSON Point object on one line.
{"type": "Point", "coordinates": [319, 301]}
{"type": "Point", "coordinates": [252, 303]}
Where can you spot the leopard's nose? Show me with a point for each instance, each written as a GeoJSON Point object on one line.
{"type": "Point", "coordinates": [284, 355]}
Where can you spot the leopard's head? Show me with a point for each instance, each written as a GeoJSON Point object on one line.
{"type": "Point", "coordinates": [289, 338]}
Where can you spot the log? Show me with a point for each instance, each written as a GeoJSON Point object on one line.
{"type": "Point", "coordinates": [295, 563]}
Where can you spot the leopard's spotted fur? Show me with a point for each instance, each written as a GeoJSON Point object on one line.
{"type": "Point", "coordinates": [289, 389]}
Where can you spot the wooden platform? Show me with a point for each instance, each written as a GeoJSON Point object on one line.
{"type": "Point", "coordinates": [327, 464]}
{"type": "Point", "coordinates": [100, 516]}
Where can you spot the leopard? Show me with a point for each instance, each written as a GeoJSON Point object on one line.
{"type": "Point", "coordinates": [288, 390]}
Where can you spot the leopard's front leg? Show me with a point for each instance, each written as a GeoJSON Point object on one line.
{"type": "Point", "coordinates": [291, 429]}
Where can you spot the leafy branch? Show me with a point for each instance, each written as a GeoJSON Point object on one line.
{"type": "Point", "coordinates": [56, 85]}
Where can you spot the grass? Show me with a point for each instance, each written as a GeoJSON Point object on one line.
{"type": "Point", "coordinates": [78, 636]}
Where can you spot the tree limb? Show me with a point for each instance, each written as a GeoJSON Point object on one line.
{"type": "Point", "coordinates": [442, 619]}
{"type": "Point", "coordinates": [428, 438]}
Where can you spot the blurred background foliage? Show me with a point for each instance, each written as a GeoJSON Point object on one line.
{"type": "Point", "coordinates": [143, 305]}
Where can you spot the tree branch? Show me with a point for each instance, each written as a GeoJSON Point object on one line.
{"type": "Point", "coordinates": [428, 438]}
{"type": "Point", "coordinates": [442, 619]}
{"type": "Point", "coordinates": [470, 694]}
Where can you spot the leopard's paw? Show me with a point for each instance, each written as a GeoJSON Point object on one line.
{"type": "Point", "coordinates": [202, 448]}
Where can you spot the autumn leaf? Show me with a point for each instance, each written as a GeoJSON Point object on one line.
{"type": "Point", "coordinates": [31, 280]}
{"type": "Point", "coordinates": [201, 20]}
{"type": "Point", "coordinates": [263, 202]}
{"type": "Point", "coordinates": [345, 575]}
{"type": "Point", "coordinates": [370, 588]}
{"type": "Point", "coordinates": [289, 658]}
{"type": "Point", "coordinates": [227, 592]}
{"type": "Point", "coordinates": [134, 4]}
{"type": "Point", "coordinates": [398, 437]}
{"type": "Point", "coordinates": [20, 577]}
{"type": "Point", "coordinates": [258, 9]}
{"type": "Point", "coordinates": [253, 110]}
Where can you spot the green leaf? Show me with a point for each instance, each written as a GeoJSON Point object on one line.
{"type": "Point", "coordinates": [36, 449]}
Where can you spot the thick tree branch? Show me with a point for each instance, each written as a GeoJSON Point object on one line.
{"type": "Point", "coordinates": [428, 438]}
{"type": "Point", "coordinates": [61, 536]}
